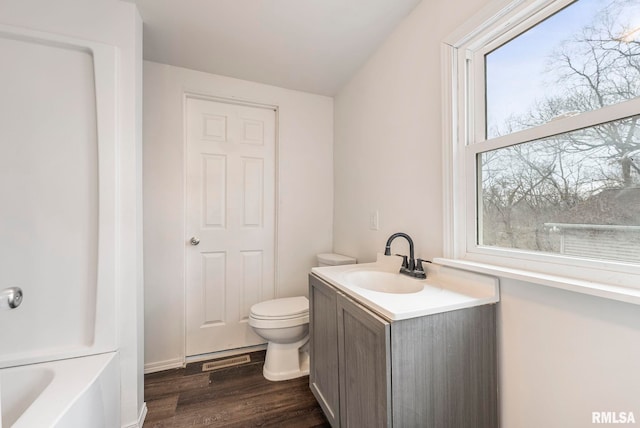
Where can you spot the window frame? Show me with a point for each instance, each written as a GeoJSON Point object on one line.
{"type": "Point", "coordinates": [463, 103]}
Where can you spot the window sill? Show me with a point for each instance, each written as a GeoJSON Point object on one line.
{"type": "Point", "coordinates": [612, 292]}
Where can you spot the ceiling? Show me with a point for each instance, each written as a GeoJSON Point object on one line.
{"type": "Point", "coordinates": [308, 45]}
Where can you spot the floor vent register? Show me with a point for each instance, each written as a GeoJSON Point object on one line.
{"type": "Point", "coordinates": [226, 362]}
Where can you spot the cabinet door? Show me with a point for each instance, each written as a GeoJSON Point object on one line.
{"type": "Point", "coordinates": [365, 371]}
{"type": "Point", "coordinates": [444, 370]}
{"type": "Point", "coordinates": [323, 349]}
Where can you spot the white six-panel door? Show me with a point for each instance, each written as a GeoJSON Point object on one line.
{"type": "Point", "coordinates": [231, 212]}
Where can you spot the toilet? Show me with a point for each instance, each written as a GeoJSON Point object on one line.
{"type": "Point", "coordinates": [284, 324]}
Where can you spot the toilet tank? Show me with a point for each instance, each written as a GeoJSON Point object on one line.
{"type": "Point", "coordinates": [333, 259]}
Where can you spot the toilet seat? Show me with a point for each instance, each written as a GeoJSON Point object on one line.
{"type": "Point", "coordinates": [278, 323]}
{"type": "Point", "coordinates": [280, 313]}
{"type": "Point", "coordinates": [288, 307]}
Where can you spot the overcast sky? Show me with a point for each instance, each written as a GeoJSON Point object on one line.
{"type": "Point", "coordinates": [516, 74]}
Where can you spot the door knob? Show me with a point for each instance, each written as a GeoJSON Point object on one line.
{"type": "Point", "coordinates": [194, 240]}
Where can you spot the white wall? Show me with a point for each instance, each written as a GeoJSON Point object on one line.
{"type": "Point", "coordinates": [305, 191]}
{"type": "Point", "coordinates": [562, 354]}
{"type": "Point", "coordinates": [118, 24]}
{"type": "Point", "coordinates": [387, 139]}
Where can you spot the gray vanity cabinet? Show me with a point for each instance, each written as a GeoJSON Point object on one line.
{"type": "Point", "coordinates": [323, 348]}
{"type": "Point", "coordinates": [344, 372]}
{"type": "Point", "coordinates": [434, 371]}
{"type": "Point", "coordinates": [364, 365]}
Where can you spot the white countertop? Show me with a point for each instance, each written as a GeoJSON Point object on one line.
{"type": "Point", "coordinates": [445, 289]}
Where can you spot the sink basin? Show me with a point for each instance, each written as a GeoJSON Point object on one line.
{"type": "Point", "coordinates": [383, 282]}
{"type": "Point", "coordinates": [382, 289]}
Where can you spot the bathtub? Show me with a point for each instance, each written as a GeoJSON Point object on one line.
{"type": "Point", "coordinates": [72, 393]}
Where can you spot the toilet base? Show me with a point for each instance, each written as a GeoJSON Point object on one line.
{"type": "Point", "coordinates": [286, 360]}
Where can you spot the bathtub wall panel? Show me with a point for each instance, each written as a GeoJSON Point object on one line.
{"type": "Point", "coordinates": [116, 24]}
{"type": "Point", "coordinates": [57, 184]}
{"type": "Point", "coordinates": [49, 189]}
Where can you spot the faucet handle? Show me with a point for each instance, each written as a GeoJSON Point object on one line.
{"type": "Point", "coordinates": [419, 264]}
{"type": "Point", "coordinates": [405, 263]}
{"type": "Point", "coordinates": [419, 270]}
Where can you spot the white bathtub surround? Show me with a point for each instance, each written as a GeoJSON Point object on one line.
{"type": "Point", "coordinates": [71, 393]}
{"type": "Point", "coordinates": [64, 208]}
{"type": "Point", "coordinates": [96, 326]}
{"type": "Point", "coordinates": [394, 296]}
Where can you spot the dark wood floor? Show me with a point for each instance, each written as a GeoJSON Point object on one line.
{"type": "Point", "coordinates": [233, 397]}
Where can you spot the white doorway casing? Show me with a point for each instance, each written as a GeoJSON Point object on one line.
{"type": "Point", "coordinates": [230, 212]}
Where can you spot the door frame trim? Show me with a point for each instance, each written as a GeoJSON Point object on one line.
{"type": "Point", "coordinates": [198, 95]}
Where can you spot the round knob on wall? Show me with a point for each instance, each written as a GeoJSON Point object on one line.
{"type": "Point", "coordinates": [10, 298]}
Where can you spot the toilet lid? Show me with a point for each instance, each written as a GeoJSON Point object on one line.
{"type": "Point", "coordinates": [281, 308]}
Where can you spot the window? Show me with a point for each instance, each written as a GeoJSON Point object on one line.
{"type": "Point", "coordinates": [546, 156]}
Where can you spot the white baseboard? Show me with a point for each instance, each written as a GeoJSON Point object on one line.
{"type": "Point", "coordinates": [141, 417]}
{"type": "Point", "coordinates": [176, 363]}
{"type": "Point", "coordinates": [159, 366]}
{"type": "Point", "coordinates": [229, 353]}
{"type": "Point", "coordinates": [143, 414]}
